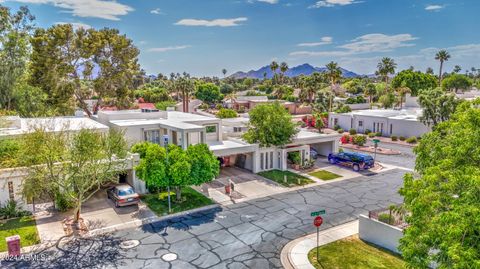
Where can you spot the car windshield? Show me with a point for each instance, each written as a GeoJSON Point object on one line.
{"type": "Point", "coordinates": [127, 191]}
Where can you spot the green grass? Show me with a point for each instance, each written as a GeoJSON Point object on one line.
{"type": "Point", "coordinates": [292, 178]}
{"type": "Point", "coordinates": [354, 253]}
{"type": "Point", "coordinates": [25, 227]}
{"type": "Point", "coordinates": [324, 175]}
{"type": "Point", "coordinates": [191, 199]}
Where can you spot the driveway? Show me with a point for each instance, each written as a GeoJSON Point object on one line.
{"type": "Point", "coordinates": [99, 212]}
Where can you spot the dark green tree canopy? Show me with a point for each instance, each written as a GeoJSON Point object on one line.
{"type": "Point", "coordinates": [208, 93]}
{"type": "Point", "coordinates": [270, 125]}
{"type": "Point", "coordinates": [415, 81]}
{"type": "Point", "coordinates": [444, 201]}
{"type": "Point", "coordinates": [437, 106]}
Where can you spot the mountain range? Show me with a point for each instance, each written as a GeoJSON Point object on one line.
{"type": "Point", "coordinates": [304, 69]}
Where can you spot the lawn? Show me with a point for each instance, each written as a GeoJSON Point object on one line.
{"type": "Point", "coordinates": [292, 178]}
{"type": "Point", "coordinates": [25, 227]}
{"type": "Point", "coordinates": [158, 202]}
{"type": "Point", "coordinates": [352, 253]}
{"type": "Point", "coordinates": [324, 175]}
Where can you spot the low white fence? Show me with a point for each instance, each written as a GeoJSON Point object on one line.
{"type": "Point", "coordinates": [379, 233]}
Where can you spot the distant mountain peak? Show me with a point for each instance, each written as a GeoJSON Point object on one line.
{"type": "Point", "coordinates": [303, 69]}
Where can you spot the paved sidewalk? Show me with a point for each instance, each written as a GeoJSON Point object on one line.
{"type": "Point", "coordinates": [295, 253]}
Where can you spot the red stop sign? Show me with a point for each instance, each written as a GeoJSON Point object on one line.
{"type": "Point", "coordinates": [318, 221]}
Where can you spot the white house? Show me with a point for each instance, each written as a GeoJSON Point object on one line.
{"type": "Point", "coordinates": [389, 122]}
{"type": "Point", "coordinates": [222, 136]}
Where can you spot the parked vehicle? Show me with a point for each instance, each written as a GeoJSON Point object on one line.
{"type": "Point", "coordinates": [123, 195]}
{"type": "Point", "coordinates": [356, 160]}
{"type": "Point", "coordinates": [313, 153]}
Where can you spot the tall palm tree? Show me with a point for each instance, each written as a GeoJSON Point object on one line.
{"type": "Point", "coordinates": [386, 67]}
{"type": "Point", "coordinates": [283, 69]}
{"type": "Point", "coordinates": [264, 75]}
{"type": "Point", "coordinates": [441, 56]}
{"type": "Point", "coordinates": [370, 91]}
{"type": "Point", "coordinates": [334, 73]}
{"type": "Point", "coordinates": [224, 72]}
{"type": "Point", "coordinates": [402, 91]}
{"type": "Point", "coordinates": [274, 66]}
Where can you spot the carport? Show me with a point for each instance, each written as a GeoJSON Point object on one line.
{"type": "Point", "coordinates": [235, 153]}
{"type": "Point", "coordinates": [322, 143]}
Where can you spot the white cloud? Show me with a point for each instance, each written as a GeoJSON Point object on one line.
{"type": "Point", "coordinates": [323, 41]}
{"type": "Point", "coordinates": [332, 3]}
{"type": "Point", "coordinates": [434, 7]}
{"type": "Point", "coordinates": [103, 9]}
{"type": "Point", "coordinates": [76, 25]}
{"type": "Point", "coordinates": [364, 44]}
{"type": "Point", "coordinates": [156, 11]}
{"type": "Point", "coordinates": [211, 23]}
{"type": "Point", "coordinates": [164, 49]}
{"type": "Point", "coordinates": [269, 1]}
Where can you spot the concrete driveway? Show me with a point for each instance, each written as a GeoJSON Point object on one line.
{"type": "Point", "coordinates": [98, 212]}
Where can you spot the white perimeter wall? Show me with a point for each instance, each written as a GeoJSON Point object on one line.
{"type": "Point", "coordinates": [379, 233]}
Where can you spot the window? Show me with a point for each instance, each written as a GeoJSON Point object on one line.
{"type": "Point", "coordinates": [211, 129]}
{"type": "Point", "coordinates": [271, 160]}
{"type": "Point", "coordinates": [391, 128]}
{"type": "Point", "coordinates": [237, 129]}
{"type": "Point", "coordinates": [360, 123]}
{"type": "Point", "coordinates": [10, 191]}
{"type": "Point", "coordinates": [335, 121]}
{"type": "Point", "coordinates": [381, 128]}
{"type": "Point", "coordinates": [152, 136]}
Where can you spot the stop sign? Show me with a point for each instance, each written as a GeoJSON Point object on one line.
{"type": "Point", "coordinates": [318, 221]}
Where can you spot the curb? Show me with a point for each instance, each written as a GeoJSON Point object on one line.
{"type": "Point", "coordinates": [286, 253]}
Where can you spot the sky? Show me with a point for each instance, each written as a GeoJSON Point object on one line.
{"type": "Point", "coordinates": [202, 37]}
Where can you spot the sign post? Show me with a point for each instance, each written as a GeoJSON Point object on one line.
{"type": "Point", "coordinates": [318, 222]}
{"type": "Point", "coordinates": [375, 143]}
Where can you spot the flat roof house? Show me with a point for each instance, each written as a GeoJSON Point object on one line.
{"type": "Point", "coordinates": [389, 122]}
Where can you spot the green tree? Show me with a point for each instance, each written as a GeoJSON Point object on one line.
{"type": "Point", "coordinates": [456, 82]}
{"type": "Point", "coordinates": [442, 56]}
{"type": "Point", "coordinates": [274, 67]}
{"type": "Point", "coordinates": [64, 61]}
{"type": "Point", "coordinates": [225, 113]}
{"type": "Point", "coordinates": [270, 125]}
{"type": "Point", "coordinates": [437, 106]}
{"type": "Point", "coordinates": [371, 92]}
{"type": "Point", "coordinates": [208, 93]}
{"type": "Point", "coordinates": [354, 86]}
{"type": "Point", "coordinates": [402, 91]}
{"type": "Point", "coordinates": [75, 164]}
{"type": "Point", "coordinates": [415, 81]}
{"type": "Point", "coordinates": [283, 69]}
{"type": "Point", "coordinates": [429, 71]}
{"type": "Point", "coordinates": [443, 202]}
{"type": "Point", "coordinates": [282, 91]}
{"type": "Point", "coordinates": [224, 72]}
{"type": "Point", "coordinates": [387, 100]}
{"type": "Point", "coordinates": [31, 101]}
{"type": "Point", "coordinates": [386, 67]}
{"type": "Point", "coordinates": [457, 69]}
{"type": "Point", "coordinates": [15, 31]}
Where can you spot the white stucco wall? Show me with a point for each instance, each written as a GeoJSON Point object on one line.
{"type": "Point", "coordinates": [379, 233]}
{"type": "Point", "coordinates": [324, 148]}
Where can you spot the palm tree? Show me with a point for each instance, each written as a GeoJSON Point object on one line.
{"type": "Point", "coordinates": [386, 67]}
{"type": "Point", "coordinates": [283, 69]}
{"type": "Point", "coordinates": [265, 75]}
{"type": "Point", "coordinates": [441, 56]}
{"type": "Point", "coordinates": [370, 91]}
{"type": "Point", "coordinates": [429, 71]}
{"type": "Point", "coordinates": [224, 72]}
{"type": "Point", "coordinates": [274, 67]}
{"type": "Point", "coordinates": [333, 73]}
{"type": "Point", "coordinates": [402, 91]}
{"type": "Point", "coordinates": [457, 69]}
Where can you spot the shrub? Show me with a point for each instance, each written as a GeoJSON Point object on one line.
{"type": "Point", "coordinates": [203, 106]}
{"type": "Point", "coordinates": [359, 140]}
{"type": "Point", "coordinates": [345, 139]}
{"type": "Point", "coordinates": [367, 131]}
{"type": "Point", "coordinates": [352, 131]}
{"type": "Point", "coordinates": [225, 113]}
{"type": "Point", "coordinates": [378, 134]}
{"type": "Point", "coordinates": [411, 140]}
{"type": "Point", "coordinates": [394, 138]}
{"type": "Point", "coordinates": [62, 202]}
{"type": "Point", "coordinates": [294, 157]}
{"type": "Point", "coordinates": [340, 130]}
{"type": "Point", "coordinates": [385, 218]}
{"type": "Point", "coordinates": [219, 106]}
{"type": "Point", "coordinates": [401, 138]}
{"type": "Point", "coordinates": [371, 135]}
{"type": "Point", "coordinates": [336, 127]}
{"type": "Point", "coordinates": [163, 105]}
{"type": "Point", "coordinates": [10, 210]}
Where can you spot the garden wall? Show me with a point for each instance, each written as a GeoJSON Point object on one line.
{"type": "Point", "coordinates": [379, 233]}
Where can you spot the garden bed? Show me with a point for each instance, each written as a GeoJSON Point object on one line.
{"type": "Point", "coordinates": [24, 226]}
{"type": "Point", "coordinates": [292, 178]}
{"type": "Point", "coordinates": [324, 175]}
{"type": "Point", "coordinates": [352, 252]}
{"type": "Point", "coordinates": [191, 199]}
